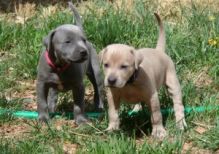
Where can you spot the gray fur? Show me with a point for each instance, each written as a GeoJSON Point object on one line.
{"type": "Point", "coordinates": [67, 44]}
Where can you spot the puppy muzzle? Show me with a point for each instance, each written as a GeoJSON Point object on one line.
{"type": "Point", "coordinates": [111, 81]}
{"type": "Point", "coordinates": [80, 57]}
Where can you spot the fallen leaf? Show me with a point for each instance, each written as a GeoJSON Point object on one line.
{"type": "Point", "coordinates": [200, 130]}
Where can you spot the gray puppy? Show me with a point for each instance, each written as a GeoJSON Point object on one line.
{"type": "Point", "coordinates": [67, 58]}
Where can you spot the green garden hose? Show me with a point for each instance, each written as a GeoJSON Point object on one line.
{"type": "Point", "coordinates": [34, 114]}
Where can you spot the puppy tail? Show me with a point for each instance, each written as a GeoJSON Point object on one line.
{"type": "Point", "coordinates": [161, 40]}
{"type": "Point", "coordinates": [75, 14]}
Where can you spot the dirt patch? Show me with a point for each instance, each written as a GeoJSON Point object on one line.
{"type": "Point", "coordinates": [15, 129]}
{"type": "Point", "coordinates": [70, 148]}
{"type": "Point", "coordinates": [200, 78]}
{"type": "Point", "coordinates": [200, 130]}
{"type": "Point", "coordinates": [188, 147]}
{"type": "Point", "coordinates": [59, 123]}
{"type": "Point", "coordinates": [26, 91]}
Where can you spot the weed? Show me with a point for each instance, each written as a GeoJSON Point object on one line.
{"type": "Point", "coordinates": [192, 43]}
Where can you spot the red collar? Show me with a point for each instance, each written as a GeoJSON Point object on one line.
{"type": "Point", "coordinates": [54, 67]}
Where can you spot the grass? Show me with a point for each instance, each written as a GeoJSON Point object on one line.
{"type": "Point", "coordinates": [191, 44]}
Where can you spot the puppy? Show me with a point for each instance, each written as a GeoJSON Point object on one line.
{"type": "Point", "coordinates": [67, 58]}
{"type": "Point", "coordinates": [136, 76]}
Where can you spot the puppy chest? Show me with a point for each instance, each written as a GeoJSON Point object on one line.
{"type": "Point", "coordinates": [67, 84]}
{"type": "Point", "coordinates": [132, 95]}
{"type": "Point", "coordinates": [62, 85]}
{"type": "Point", "coordinates": [63, 82]}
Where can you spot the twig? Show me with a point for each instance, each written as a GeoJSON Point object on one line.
{"type": "Point", "coordinates": [141, 131]}
{"type": "Point", "coordinates": [99, 131]}
{"type": "Point", "coordinates": [80, 134]}
{"type": "Point", "coordinates": [202, 125]}
{"type": "Point", "coordinates": [202, 140]}
{"type": "Point", "coordinates": [143, 124]}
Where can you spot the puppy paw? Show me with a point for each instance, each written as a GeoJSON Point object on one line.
{"type": "Point", "coordinates": [159, 132]}
{"type": "Point", "coordinates": [81, 119]}
{"type": "Point", "coordinates": [112, 127]}
{"type": "Point", "coordinates": [99, 106]}
{"type": "Point", "coordinates": [51, 109]}
{"type": "Point", "coordinates": [181, 124]}
{"type": "Point", "coordinates": [43, 118]}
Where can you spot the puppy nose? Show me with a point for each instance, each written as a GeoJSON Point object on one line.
{"type": "Point", "coordinates": [83, 53]}
{"type": "Point", "coordinates": [111, 80]}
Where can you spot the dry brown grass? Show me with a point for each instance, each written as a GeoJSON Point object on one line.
{"type": "Point", "coordinates": [171, 9]}
{"type": "Point", "coordinates": [201, 78]}
{"type": "Point", "coordinates": [167, 8]}
{"type": "Point", "coordinates": [17, 129]}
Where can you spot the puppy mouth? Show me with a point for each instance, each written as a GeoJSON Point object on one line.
{"type": "Point", "coordinates": [113, 85]}
{"type": "Point", "coordinates": [80, 60]}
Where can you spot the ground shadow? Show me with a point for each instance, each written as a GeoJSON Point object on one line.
{"type": "Point", "coordinates": [139, 123]}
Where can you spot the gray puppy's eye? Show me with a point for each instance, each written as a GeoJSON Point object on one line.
{"type": "Point", "coordinates": [124, 66]}
{"type": "Point", "coordinates": [67, 41]}
{"type": "Point", "coordinates": [83, 39]}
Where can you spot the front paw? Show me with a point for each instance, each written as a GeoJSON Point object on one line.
{"type": "Point", "coordinates": [51, 108]}
{"type": "Point", "coordinates": [112, 127]}
{"type": "Point", "coordinates": [99, 106]}
{"type": "Point", "coordinates": [181, 124]}
{"type": "Point", "coordinates": [43, 117]}
{"type": "Point", "coordinates": [81, 119]}
{"type": "Point", "coordinates": [159, 132]}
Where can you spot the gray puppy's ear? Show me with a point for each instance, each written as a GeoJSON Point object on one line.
{"type": "Point", "coordinates": [47, 41]}
{"type": "Point", "coordinates": [138, 59]}
{"type": "Point", "coordinates": [101, 54]}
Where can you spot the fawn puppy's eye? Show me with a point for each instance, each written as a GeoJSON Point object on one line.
{"type": "Point", "coordinates": [106, 65]}
{"type": "Point", "coordinates": [124, 66]}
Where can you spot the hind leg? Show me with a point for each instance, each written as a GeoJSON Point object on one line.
{"type": "Point", "coordinates": [174, 90]}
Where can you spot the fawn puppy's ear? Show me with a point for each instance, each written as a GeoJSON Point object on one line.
{"type": "Point", "coordinates": [101, 54]}
{"type": "Point", "coordinates": [138, 59]}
